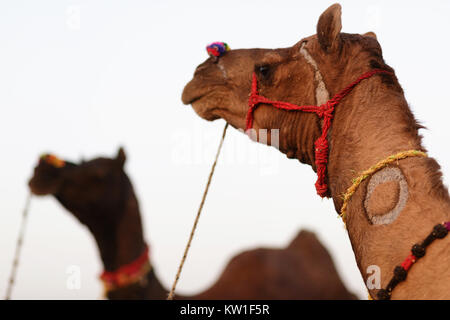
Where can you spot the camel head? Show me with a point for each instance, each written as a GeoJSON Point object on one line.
{"type": "Point", "coordinates": [308, 73]}
{"type": "Point", "coordinates": [48, 175]}
{"type": "Point", "coordinates": [94, 186]}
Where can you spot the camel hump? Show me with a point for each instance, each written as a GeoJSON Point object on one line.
{"type": "Point", "coordinates": [303, 238]}
{"type": "Point", "coordinates": [307, 243]}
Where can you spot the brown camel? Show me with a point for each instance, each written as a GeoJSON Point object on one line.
{"type": "Point", "coordinates": [393, 209]}
{"type": "Point", "coordinates": [99, 193]}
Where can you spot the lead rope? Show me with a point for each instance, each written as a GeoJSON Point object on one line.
{"type": "Point", "coordinates": [194, 227]}
{"type": "Point", "coordinates": [19, 243]}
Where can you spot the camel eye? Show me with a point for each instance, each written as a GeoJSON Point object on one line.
{"type": "Point", "coordinates": [263, 70]}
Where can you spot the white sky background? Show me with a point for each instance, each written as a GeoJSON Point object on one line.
{"type": "Point", "coordinates": [116, 77]}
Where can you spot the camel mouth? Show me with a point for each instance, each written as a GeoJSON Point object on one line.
{"type": "Point", "coordinates": [192, 93]}
{"type": "Point", "coordinates": [197, 96]}
{"type": "Point", "coordinates": [38, 188]}
{"type": "Point", "coordinates": [187, 99]}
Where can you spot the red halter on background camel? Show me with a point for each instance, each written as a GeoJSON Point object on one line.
{"type": "Point", "coordinates": [100, 195]}
{"type": "Point", "coordinates": [394, 209]}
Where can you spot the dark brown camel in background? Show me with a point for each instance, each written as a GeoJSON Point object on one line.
{"type": "Point", "coordinates": [100, 195]}
{"type": "Point", "coordinates": [394, 209]}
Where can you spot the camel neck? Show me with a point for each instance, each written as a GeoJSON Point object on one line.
{"type": "Point", "coordinates": [118, 233]}
{"type": "Point", "coordinates": [117, 230]}
{"type": "Point", "coordinates": [372, 124]}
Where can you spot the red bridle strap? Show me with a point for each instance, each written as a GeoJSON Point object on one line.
{"type": "Point", "coordinates": [324, 111]}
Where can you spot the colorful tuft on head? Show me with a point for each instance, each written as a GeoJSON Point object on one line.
{"type": "Point", "coordinates": [53, 160]}
{"type": "Point", "coordinates": [216, 49]}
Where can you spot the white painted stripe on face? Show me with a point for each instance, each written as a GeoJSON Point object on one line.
{"type": "Point", "coordinates": [322, 94]}
{"type": "Point", "coordinates": [222, 69]}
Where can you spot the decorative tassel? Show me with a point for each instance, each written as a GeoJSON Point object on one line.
{"type": "Point", "coordinates": [216, 49]}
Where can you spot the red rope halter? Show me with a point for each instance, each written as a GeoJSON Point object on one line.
{"type": "Point", "coordinates": [126, 274]}
{"type": "Point", "coordinates": [324, 111]}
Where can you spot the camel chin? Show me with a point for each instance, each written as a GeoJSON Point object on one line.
{"type": "Point", "coordinates": [203, 111]}
{"type": "Point", "coordinates": [37, 191]}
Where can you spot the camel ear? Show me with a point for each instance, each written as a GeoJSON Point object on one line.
{"type": "Point", "coordinates": [121, 157]}
{"type": "Point", "coordinates": [370, 34]}
{"type": "Point", "coordinates": [329, 28]}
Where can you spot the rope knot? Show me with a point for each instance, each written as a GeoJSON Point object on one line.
{"type": "Point", "coordinates": [321, 151]}
{"type": "Point", "coordinates": [321, 188]}
{"type": "Point", "coordinates": [326, 110]}
{"type": "Point", "coordinates": [253, 100]}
